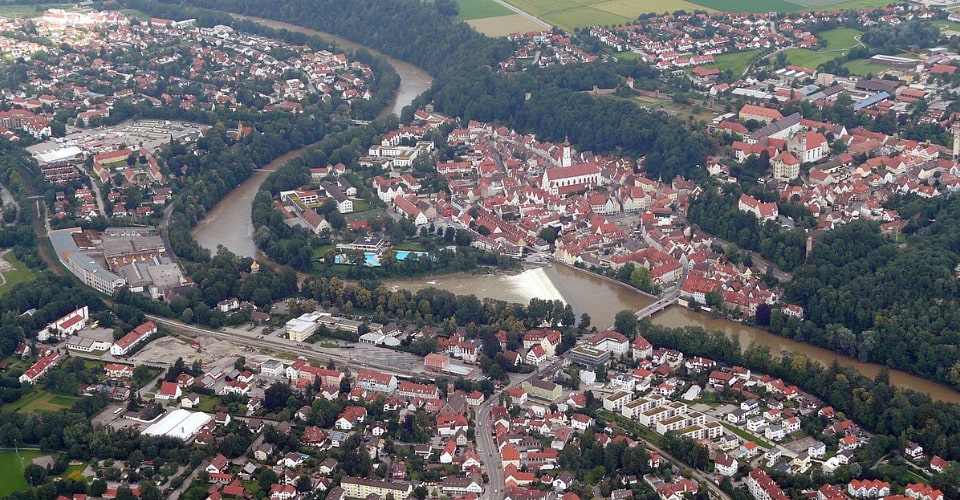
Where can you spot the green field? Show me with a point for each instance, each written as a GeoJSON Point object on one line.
{"type": "Point", "coordinates": [479, 9]}
{"type": "Point", "coordinates": [749, 5]}
{"type": "Point", "coordinates": [840, 38]}
{"type": "Point", "coordinates": [943, 24]}
{"type": "Point", "coordinates": [18, 274]}
{"type": "Point", "coordinates": [735, 62]}
{"type": "Point", "coordinates": [570, 14]}
{"type": "Point", "coordinates": [12, 471]}
{"type": "Point", "coordinates": [837, 43]}
{"type": "Point", "coordinates": [41, 402]}
{"type": "Point", "coordinates": [13, 10]}
{"type": "Point", "coordinates": [862, 67]}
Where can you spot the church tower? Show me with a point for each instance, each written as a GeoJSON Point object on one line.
{"type": "Point", "coordinates": [568, 154]}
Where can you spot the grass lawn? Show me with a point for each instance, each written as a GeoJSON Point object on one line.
{"type": "Point", "coordinates": [208, 403]}
{"type": "Point", "coordinates": [943, 24]}
{"type": "Point", "coordinates": [369, 214]}
{"type": "Point", "coordinates": [360, 206]}
{"type": "Point", "coordinates": [809, 58]}
{"type": "Point", "coordinates": [570, 14]}
{"type": "Point", "coordinates": [41, 402]}
{"type": "Point", "coordinates": [735, 61]}
{"type": "Point", "coordinates": [412, 246]}
{"type": "Point", "coordinates": [862, 67]}
{"type": "Point", "coordinates": [19, 274]}
{"type": "Point", "coordinates": [479, 9]}
{"type": "Point", "coordinates": [11, 470]}
{"type": "Point", "coordinates": [840, 38]}
{"type": "Point", "coordinates": [749, 5]}
{"type": "Point", "coordinates": [746, 436]}
{"type": "Point", "coordinates": [14, 10]}
{"type": "Point", "coordinates": [320, 252]}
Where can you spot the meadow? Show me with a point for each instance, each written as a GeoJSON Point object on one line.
{"type": "Point", "coordinates": [41, 402]}
{"type": "Point", "coordinates": [838, 42]}
{"type": "Point", "coordinates": [19, 274]}
{"type": "Point", "coordinates": [18, 10]}
{"type": "Point", "coordinates": [736, 62]}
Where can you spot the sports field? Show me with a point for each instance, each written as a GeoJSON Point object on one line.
{"type": "Point", "coordinates": [12, 471]}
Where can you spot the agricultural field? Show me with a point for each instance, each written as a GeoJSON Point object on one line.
{"type": "Point", "coordinates": [13, 271]}
{"type": "Point", "coordinates": [492, 19]}
{"type": "Point", "coordinates": [479, 9]}
{"type": "Point", "coordinates": [748, 5]}
{"type": "Point", "coordinates": [11, 469]}
{"type": "Point", "coordinates": [570, 14]}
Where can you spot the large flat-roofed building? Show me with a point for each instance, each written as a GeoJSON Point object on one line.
{"type": "Point", "coordinates": [589, 356]}
{"type": "Point", "coordinates": [82, 265]}
{"type": "Point", "coordinates": [302, 327]}
{"type": "Point", "coordinates": [180, 424]}
{"type": "Point", "coordinates": [358, 487]}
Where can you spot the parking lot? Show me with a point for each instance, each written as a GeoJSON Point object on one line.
{"type": "Point", "coordinates": [148, 134]}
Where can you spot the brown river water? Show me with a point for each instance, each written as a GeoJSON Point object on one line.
{"type": "Point", "coordinates": [229, 224]}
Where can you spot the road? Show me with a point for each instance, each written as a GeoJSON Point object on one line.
{"type": "Point", "coordinates": [286, 346]}
{"type": "Point", "coordinates": [531, 17]}
{"type": "Point", "coordinates": [487, 447]}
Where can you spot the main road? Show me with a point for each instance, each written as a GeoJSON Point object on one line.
{"type": "Point", "coordinates": [287, 346]}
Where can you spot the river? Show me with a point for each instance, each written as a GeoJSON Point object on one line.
{"type": "Point", "coordinates": [230, 222]}
{"type": "Point", "coordinates": [602, 299]}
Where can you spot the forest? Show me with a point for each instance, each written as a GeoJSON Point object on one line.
{"type": "Point", "coordinates": [868, 296]}
{"type": "Point", "coordinates": [719, 215]}
{"type": "Point", "coordinates": [466, 84]}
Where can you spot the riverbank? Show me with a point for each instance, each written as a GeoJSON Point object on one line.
{"type": "Point", "coordinates": [230, 222]}
{"type": "Point", "coordinates": [608, 279]}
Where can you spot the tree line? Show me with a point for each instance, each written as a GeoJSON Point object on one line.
{"type": "Point", "coordinates": [896, 414]}
{"type": "Point", "coordinates": [550, 103]}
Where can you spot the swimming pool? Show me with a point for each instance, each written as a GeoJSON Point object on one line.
{"type": "Point", "coordinates": [373, 260]}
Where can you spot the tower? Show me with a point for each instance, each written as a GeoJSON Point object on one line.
{"type": "Point", "coordinates": [956, 141]}
{"type": "Point", "coordinates": [568, 154]}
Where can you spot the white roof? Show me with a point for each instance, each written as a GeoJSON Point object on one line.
{"type": "Point", "coordinates": [179, 423]}
{"type": "Point", "coordinates": [61, 154]}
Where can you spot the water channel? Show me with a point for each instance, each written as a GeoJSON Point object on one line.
{"type": "Point", "coordinates": [602, 299]}
{"type": "Point", "coordinates": [229, 224]}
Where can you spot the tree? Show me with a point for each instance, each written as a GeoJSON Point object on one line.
{"type": "Point", "coordinates": [584, 321]}
{"type": "Point", "coordinates": [625, 322]}
{"type": "Point", "coordinates": [548, 234]}
{"type": "Point", "coordinates": [35, 474]}
{"type": "Point", "coordinates": [303, 483]}
{"type": "Point", "coordinates": [640, 278]}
